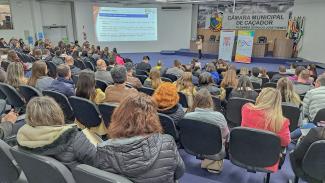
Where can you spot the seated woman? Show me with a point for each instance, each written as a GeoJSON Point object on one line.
{"type": "Point", "coordinates": [46, 134]}
{"type": "Point", "coordinates": [288, 94]}
{"type": "Point", "coordinates": [263, 73]}
{"type": "Point", "coordinates": [210, 68]}
{"type": "Point", "coordinates": [229, 81]}
{"type": "Point", "coordinates": [266, 114]}
{"type": "Point", "coordinates": [244, 71]}
{"type": "Point", "coordinates": [244, 89]}
{"type": "Point", "coordinates": [15, 75]}
{"type": "Point", "coordinates": [203, 111]}
{"type": "Point", "coordinates": [185, 85]}
{"type": "Point", "coordinates": [137, 148]}
{"type": "Point", "coordinates": [153, 81]}
{"type": "Point", "coordinates": [39, 78]}
{"type": "Point", "coordinates": [167, 99]}
{"type": "Point", "coordinates": [297, 156]}
{"type": "Point", "coordinates": [205, 81]}
{"type": "Point", "coordinates": [86, 89]}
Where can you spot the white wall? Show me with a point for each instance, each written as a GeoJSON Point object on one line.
{"type": "Point", "coordinates": [314, 38]}
{"type": "Point", "coordinates": [174, 29]}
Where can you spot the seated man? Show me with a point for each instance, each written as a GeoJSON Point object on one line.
{"type": "Point", "coordinates": [57, 60]}
{"type": "Point", "coordinates": [303, 84]}
{"type": "Point", "coordinates": [102, 73]}
{"type": "Point", "coordinates": [254, 77]}
{"type": "Point", "coordinates": [315, 99]}
{"type": "Point", "coordinates": [70, 62]}
{"type": "Point", "coordinates": [117, 92]}
{"type": "Point", "coordinates": [63, 83]}
{"type": "Point", "coordinates": [282, 73]}
{"type": "Point", "coordinates": [144, 65]}
{"type": "Point", "coordinates": [176, 70]}
{"type": "Point", "coordinates": [134, 81]}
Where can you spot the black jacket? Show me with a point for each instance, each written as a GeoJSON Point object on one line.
{"type": "Point", "coordinates": [296, 157]}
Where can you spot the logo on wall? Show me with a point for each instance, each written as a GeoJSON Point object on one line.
{"type": "Point", "coordinates": [216, 23]}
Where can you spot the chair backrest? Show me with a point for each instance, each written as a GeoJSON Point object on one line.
{"type": "Point", "coordinates": [314, 160]}
{"type": "Point", "coordinates": [8, 171]}
{"type": "Point", "coordinates": [269, 85]}
{"type": "Point", "coordinates": [168, 125]}
{"type": "Point", "coordinates": [293, 114]}
{"type": "Point", "coordinates": [217, 103]}
{"type": "Point", "coordinates": [170, 76]}
{"type": "Point", "coordinates": [85, 111]}
{"type": "Point", "coordinates": [233, 111]}
{"type": "Point", "coordinates": [52, 69]}
{"type": "Point", "coordinates": [320, 116]}
{"type": "Point", "coordinates": [212, 37]}
{"type": "Point", "coordinates": [87, 174]}
{"type": "Point", "coordinates": [251, 148]}
{"type": "Point", "coordinates": [183, 99]}
{"type": "Point", "coordinates": [101, 84]}
{"type": "Point", "coordinates": [200, 138]}
{"type": "Point", "coordinates": [89, 65]}
{"type": "Point", "coordinates": [2, 95]}
{"type": "Point", "coordinates": [141, 72]}
{"type": "Point", "coordinates": [13, 97]}
{"type": "Point", "coordinates": [148, 91]}
{"type": "Point", "coordinates": [262, 39]}
{"type": "Point", "coordinates": [256, 85]}
{"type": "Point", "coordinates": [80, 64]}
{"type": "Point", "coordinates": [228, 91]}
{"type": "Point", "coordinates": [40, 169]}
{"type": "Point", "coordinates": [265, 80]}
{"type": "Point", "coordinates": [106, 111]}
{"type": "Point", "coordinates": [166, 79]}
{"type": "Point", "coordinates": [28, 92]}
{"type": "Point", "coordinates": [63, 101]}
{"type": "Point", "coordinates": [271, 74]}
{"type": "Point", "coordinates": [75, 78]}
{"type": "Point", "coordinates": [142, 78]}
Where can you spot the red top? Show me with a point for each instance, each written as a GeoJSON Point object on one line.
{"type": "Point", "coordinates": [254, 118]}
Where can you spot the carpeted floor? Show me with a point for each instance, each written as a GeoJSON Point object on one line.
{"type": "Point", "coordinates": [168, 60]}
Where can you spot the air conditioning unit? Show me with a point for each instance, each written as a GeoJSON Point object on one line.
{"type": "Point", "coordinates": [171, 8]}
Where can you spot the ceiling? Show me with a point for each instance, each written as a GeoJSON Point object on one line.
{"type": "Point", "coordinates": [178, 1]}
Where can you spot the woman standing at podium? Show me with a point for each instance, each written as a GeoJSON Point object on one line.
{"type": "Point", "coordinates": [199, 44]}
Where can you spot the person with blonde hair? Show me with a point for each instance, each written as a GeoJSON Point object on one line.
{"type": "Point", "coordinates": [244, 71]}
{"type": "Point", "coordinates": [303, 83]}
{"type": "Point", "coordinates": [15, 75]}
{"type": "Point", "coordinates": [45, 133]}
{"type": "Point", "coordinates": [154, 80]}
{"type": "Point", "coordinates": [211, 68]}
{"type": "Point", "coordinates": [266, 114]}
{"type": "Point", "coordinates": [230, 79]}
{"type": "Point", "coordinates": [185, 85]}
{"type": "Point", "coordinates": [288, 94]}
{"type": "Point", "coordinates": [102, 73]}
{"type": "Point", "coordinates": [137, 147]}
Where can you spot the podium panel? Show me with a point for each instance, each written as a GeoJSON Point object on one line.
{"type": "Point", "coordinates": [283, 48]}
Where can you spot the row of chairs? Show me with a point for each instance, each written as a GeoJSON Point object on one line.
{"type": "Point", "coordinates": [250, 149]}
{"type": "Point", "coordinates": [21, 166]}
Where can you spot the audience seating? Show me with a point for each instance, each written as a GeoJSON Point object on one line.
{"type": "Point", "coordinates": [9, 172]}
{"type": "Point", "coordinates": [313, 163]}
{"type": "Point", "coordinates": [3, 104]}
{"type": "Point", "coordinates": [87, 174]}
{"type": "Point", "coordinates": [254, 149]}
{"type": "Point", "coordinates": [320, 116]}
{"type": "Point", "coordinates": [269, 85]}
{"type": "Point", "coordinates": [13, 97]}
{"type": "Point", "coordinates": [233, 110]}
{"type": "Point", "coordinates": [80, 64]}
{"type": "Point", "coordinates": [2, 95]}
{"type": "Point", "coordinates": [170, 76]}
{"type": "Point", "coordinates": [265, 80]}
{"type": "Point", "coordinates": [51, 69]}
{"type": "Point", "coordinates": [271, 74]}
{"type": "Point", "coordinates": [106, 110]}
{"type": "Point", "coordinates": [63, 101]}
{"type": "Point", "coordinates": [41, 169]}
{"type": "Point", "coordinates": [101, 84]}
{"type": "Point", "coordinates": [142, 78]}
{"type": "Point", "coordinates": [75, 79]}
{"type": "Point", "coordinates": [228, 91]}
{"type": "Point", "coordinates": [183, 100]}
{"type": "Point", "coordinates": [90, 66]}
{"type": "Point", "coordinates": [164, 79]}
{"type": "Point", "coordinates": [28, 92]}
{"type": "Point", "coordinates": [256, 86]}
{"type": "Point", "coordinates": [141, 72]}
{"type": "Point", "coordinates": [146, 90]}
{"type": "Point", "coordinates": [201, 139]}
{"type": "Point", "coordinates": [291, 112]}
{"type": "Point", "coordinates": [168, 125]}
{"type": "Point", "coordinates": [85, 111]}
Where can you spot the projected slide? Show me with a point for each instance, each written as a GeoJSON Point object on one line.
{"type": "Point", "coordinates": [125, 24]}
